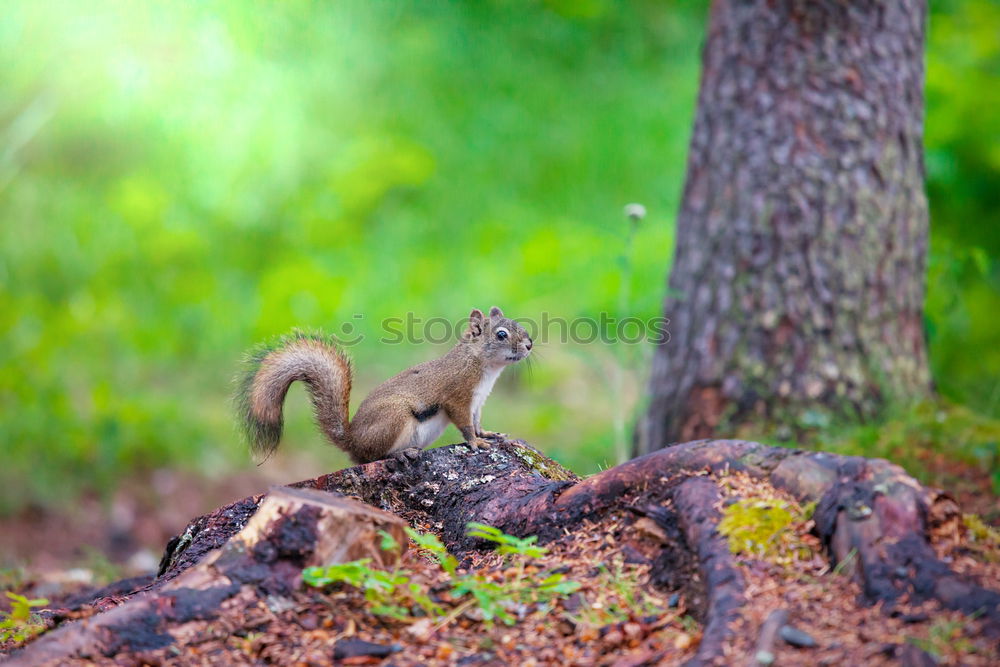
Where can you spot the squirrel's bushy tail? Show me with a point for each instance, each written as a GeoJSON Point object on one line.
{"type": "Point", "coordinates": [272, 367]}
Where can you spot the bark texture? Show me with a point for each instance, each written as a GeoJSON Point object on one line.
{"type": "Point", "coordinates": [798, 279]}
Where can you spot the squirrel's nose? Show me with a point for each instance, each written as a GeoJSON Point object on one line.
{"type": "Point", "coordinates": [528, 344]}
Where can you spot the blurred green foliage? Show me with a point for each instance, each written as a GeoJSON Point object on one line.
{"type": "Point", "coordinates": [963, 174]}
{"type": "Point", "coordinates": [181, 180]}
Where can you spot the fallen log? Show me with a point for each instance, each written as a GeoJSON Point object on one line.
{"type": "Point", "coordinates": [868, 512]}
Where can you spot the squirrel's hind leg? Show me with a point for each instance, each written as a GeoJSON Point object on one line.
{"type": "Point", "coordinates": [376, 436]}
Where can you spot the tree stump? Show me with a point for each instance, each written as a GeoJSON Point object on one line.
{"type": "Point", "coordinates": [291, 529]}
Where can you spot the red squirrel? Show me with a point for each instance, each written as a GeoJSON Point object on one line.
{"type": "Point", "coordinates": [408, 410]}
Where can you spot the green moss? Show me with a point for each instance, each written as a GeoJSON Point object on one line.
{"type": "Point", "coordinates": [543, 465]}
{"type": "Point", "coordinates": [980, 531]}
{"type": "Point", "coordinates": [765, 528]}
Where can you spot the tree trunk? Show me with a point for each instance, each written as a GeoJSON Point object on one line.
{"type": "Point", "coordinates": [797, 286]}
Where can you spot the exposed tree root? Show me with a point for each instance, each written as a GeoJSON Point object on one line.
{"type": "Point", "coordinates": [870, 516]}
{"type": "Point", "coordinates": [696, 500]}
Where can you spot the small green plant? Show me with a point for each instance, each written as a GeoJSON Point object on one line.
{"type": "Point", "coordinates": [433, 546]}
{"type": "Point", "coordinates": [516, 589]}
{"type": "Point", "coordinates": [11, 578]}
{"type": "Point", "coordinates": [765, 528]}
{"type": "Point", "coordinates": [946, 637]}
{"type": "Point", "coordinates": [21, 624]}
{"type": "Point", "coordinates": [625, 598]}
{"type": "Point", "coordinates": [688, 624]}
{"type": "Point", "coordinates": [983, 538]}
{"type": "Point", "coordinates": [507, 545]}
{"type": "Point", "coordinates": [102, 569]}
{"type": "Point", "coordinates": [846, 566]}
{"type": "Point", "coordinates": [626, 364]}
{"type": "Point", "coordinates": [390, 594]}
{"type": "Point", "coordinates": [395, 594]}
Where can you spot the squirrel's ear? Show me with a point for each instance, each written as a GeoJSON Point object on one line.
{"type": "Point", "coordinates": [495, 313]}
{"type": "Point", "coordinates": [475, 324]}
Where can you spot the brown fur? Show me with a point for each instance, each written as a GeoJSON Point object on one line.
{"type": "Point", "coordinates": [400, 412]}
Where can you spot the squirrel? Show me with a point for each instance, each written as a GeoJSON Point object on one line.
{"type": "Point", "coordinates": [409, 410]}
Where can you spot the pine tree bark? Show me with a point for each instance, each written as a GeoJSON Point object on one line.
{"type": "Point", "coordinates": [797, 286]}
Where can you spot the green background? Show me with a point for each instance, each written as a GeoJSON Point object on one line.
{"type": "Point", "coordinates": [181, 180]}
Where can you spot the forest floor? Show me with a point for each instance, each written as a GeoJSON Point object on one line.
{"type": "Point", "coordinates": [96, 540]}
{"type": "Point", "coordinates": [632, 608]}
{"type": "Point", "coordinates": [616, 618]}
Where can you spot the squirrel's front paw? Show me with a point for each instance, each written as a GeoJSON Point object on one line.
{"type": "Point", "coordinates": [492, 435]}
{"type": "Point", "coordinates": [478, 443]}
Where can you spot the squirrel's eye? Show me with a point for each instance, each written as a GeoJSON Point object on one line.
{"type": "Point", "coordinates": [502, 334]}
